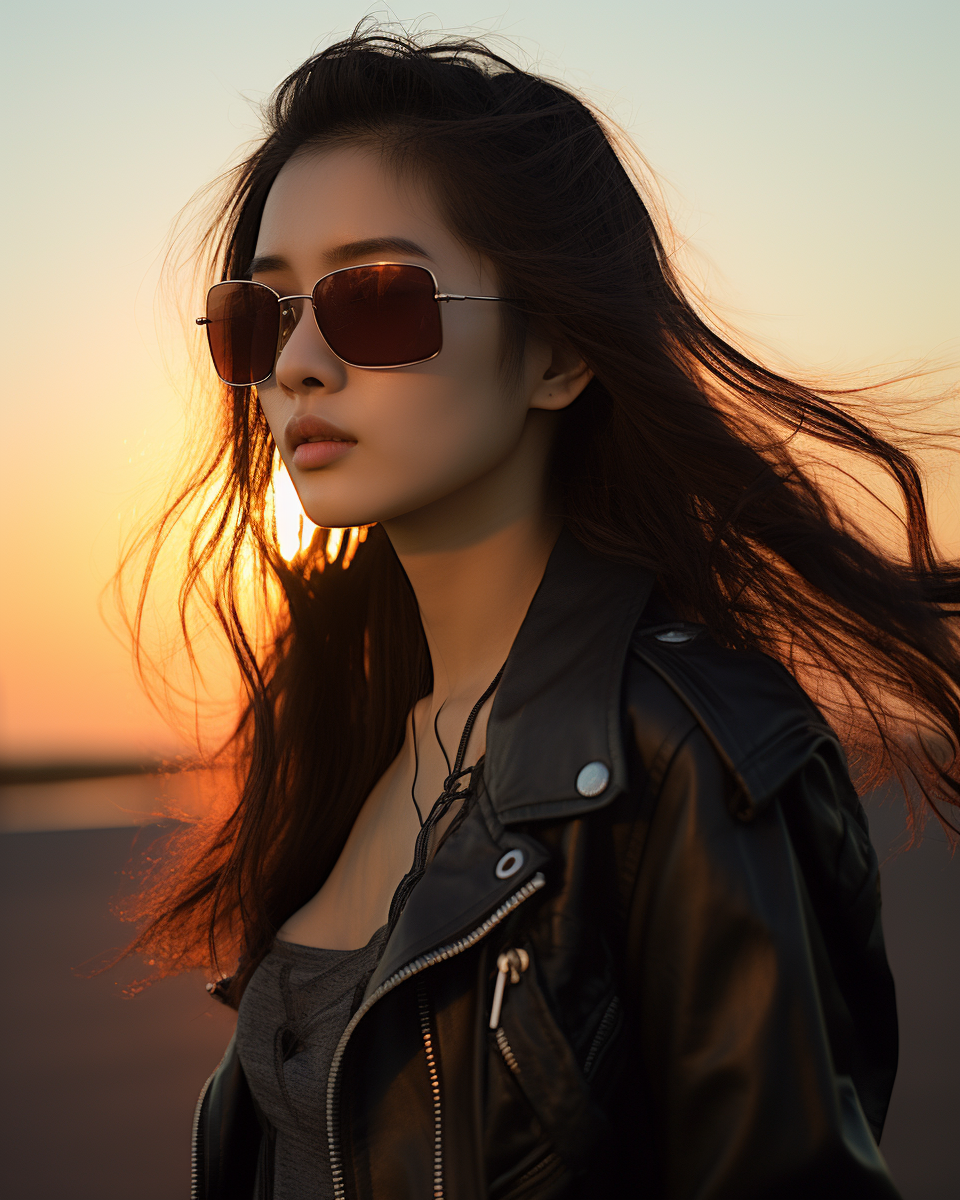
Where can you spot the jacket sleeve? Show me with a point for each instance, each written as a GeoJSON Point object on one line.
{"type": "Point", "coordinates": [735, 996]}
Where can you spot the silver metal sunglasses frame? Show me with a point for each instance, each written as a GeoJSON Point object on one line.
{"type": "Point", "coordinates": [439, 297]}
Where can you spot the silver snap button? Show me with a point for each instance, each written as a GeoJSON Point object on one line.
{"type": "Point", "coordinates": [593, 779]}
{"type": "Point", "coordinates": [675, 636]}
{"type": "Point", "coordinates": [510, 864]}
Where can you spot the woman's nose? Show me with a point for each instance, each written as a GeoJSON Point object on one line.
{"type": "Point", "coordinates": [305, 361]}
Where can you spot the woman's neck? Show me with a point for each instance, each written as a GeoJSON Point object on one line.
{"type": "Point", "coordinates": [474, 561]}
{"type": "Point", "coordinates": [473, 600]}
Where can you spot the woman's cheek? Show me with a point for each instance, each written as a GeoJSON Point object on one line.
{"type": "Point", "coordinates": [420, 437]}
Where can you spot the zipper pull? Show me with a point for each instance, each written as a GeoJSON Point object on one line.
{"type": "Point", "coordinates": [511, 963]}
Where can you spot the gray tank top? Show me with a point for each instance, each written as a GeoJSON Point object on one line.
{"type": "Point", "coordinates": [292, 1015]}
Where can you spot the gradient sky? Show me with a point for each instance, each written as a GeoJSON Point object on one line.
{"type": "Point", "coordinates": [809, 151]}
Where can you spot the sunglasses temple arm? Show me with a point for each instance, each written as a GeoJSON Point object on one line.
{"type": "Point", "coordinates": [440, 296]}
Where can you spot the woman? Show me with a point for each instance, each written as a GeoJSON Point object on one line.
{"type": "Point", "coordinates": [546, 879]}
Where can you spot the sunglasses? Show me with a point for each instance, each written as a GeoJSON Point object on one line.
{"type": "Point", "coordinates": [376, 316]}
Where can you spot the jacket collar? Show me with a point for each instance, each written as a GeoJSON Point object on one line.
{"type": "Point", "coordinates": [558, 705]}
{"type": "Point", "coordinates": [556, 710]}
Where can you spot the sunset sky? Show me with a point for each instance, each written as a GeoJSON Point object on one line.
{"type": "Point", "coordinates": [808, 151]}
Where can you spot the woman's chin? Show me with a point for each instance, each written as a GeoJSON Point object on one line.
{"type": "Point", "coordinates": [344, 517]}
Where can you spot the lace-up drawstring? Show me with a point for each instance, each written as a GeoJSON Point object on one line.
{"type": "Point", "coordinates": [451, 792]}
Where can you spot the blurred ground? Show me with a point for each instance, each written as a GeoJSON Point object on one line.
{"type": "Point", "coordinates": [921, 922]}
{"type": "Point", "coordinates": [100, 1090]}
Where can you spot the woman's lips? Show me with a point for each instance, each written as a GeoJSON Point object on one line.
{"type": "Point", "coordinates": [315, 441]}
{"type": "Point", "coordinates": [321, 453]}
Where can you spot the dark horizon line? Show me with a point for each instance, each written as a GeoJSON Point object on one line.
{"type": "Point", "coordinates": [64, 770]}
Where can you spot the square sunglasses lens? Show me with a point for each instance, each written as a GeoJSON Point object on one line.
{"type": "Point", "coordinates": [383, 315]}
{"type": "Point", "coordinates": [244, 323]}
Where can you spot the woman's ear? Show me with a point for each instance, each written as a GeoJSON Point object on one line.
{"type": "Point", "coordinates": [563, 380]}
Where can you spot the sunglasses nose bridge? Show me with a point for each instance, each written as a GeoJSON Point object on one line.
{"type": "Point", "coordinates": [291, 311]}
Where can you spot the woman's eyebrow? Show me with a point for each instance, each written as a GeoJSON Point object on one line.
{"type": "Point", "coordinates": [366, 246]}
{"type": "Point", "coordinates": [344, 253]}
{"type": "Point", "coordinates": [267, 262]}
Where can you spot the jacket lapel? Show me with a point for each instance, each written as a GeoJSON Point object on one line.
{"type": "Point", "coordinates": [458, 891]}
{"type": "Point", "coordinates": [558, 706]}
{"type": "Point", "coordinates": [556, 710]}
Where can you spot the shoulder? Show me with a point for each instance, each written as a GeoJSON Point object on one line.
{"type": "Point", "coordinates": [758, 720]}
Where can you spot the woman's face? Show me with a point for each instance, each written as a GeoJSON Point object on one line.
{"type": "Point", "coordinates": [372, 445]}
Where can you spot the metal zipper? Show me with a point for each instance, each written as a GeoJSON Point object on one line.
{"type": "Point", "coordinates": [405, 972]}
{"type": "Point", "coordinates": [508, 1056]}
{"type": "Point", "coordinates": [510, 965]}
{"type": "Point", "coordinates": [427, 1035]}
{"type": "Point", "coordinates": [194, 1141]}
{"type": "Point", "coordinates": [539, 1168]}
{"type": "Point", "coordinates": [607, 1022]}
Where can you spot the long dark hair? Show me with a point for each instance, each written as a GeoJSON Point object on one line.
{"type": "Point", "coordinates": [682, 455]}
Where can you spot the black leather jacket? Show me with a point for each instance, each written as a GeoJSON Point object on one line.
{"type": "Point", "coordinates": [698, 1003]}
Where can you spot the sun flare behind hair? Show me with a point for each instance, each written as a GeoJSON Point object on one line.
{"type": "Point", "coordinates": [296, 533]}
{"type": "Point", "coordinates": [294, 529]}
